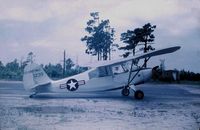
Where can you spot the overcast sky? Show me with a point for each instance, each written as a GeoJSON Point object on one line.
{"type": "Point", "coordinates": [47, 27]}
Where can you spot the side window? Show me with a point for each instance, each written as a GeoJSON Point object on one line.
{"type": "Point", "coordinates": [118, 69]}
{"type": "Point", "coordinates": [93, 74]}
{"type": "Point", "coordinates": [103, 71]}
{"type": "Point", "coordinates": [128, 66]}
{"type": "Point", "coordinates": [100, 72]}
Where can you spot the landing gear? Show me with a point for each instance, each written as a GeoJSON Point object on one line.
{"type": "Point", "coordinates": [139, 94]}
{"type": "Point", "coordinates": [125, 91]}
{"type": "Point", "coordinates": [131, 85]}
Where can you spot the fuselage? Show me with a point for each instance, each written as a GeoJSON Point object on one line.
{"type": "Point", "coordinates": [89, 82]}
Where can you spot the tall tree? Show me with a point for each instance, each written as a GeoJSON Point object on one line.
{"type": "Point", "coordinates": [139, 36]}
{"type": "Point", "coordinates": [131, 39]}
{"type": "Point", "coordinates": [147, 39]}
{"type": "Point", "coordinates": [99, 40]}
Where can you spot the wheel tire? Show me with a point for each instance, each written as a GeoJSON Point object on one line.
{"type": "Point", "coordinates": [139, 94]}
{"type": "Point", "coordinates": [125, 92]}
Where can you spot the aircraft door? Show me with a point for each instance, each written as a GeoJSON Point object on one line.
{"type": "Point", "coordinates": [101, 78]}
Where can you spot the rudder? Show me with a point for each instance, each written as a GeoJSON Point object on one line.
{"type": "Point", "coordinates": [34, 75]}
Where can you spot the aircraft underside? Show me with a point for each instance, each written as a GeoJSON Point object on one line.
{"type": "Point", "coordinates": [122, 90]}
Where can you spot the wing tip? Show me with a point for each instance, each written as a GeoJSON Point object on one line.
{"type": "Point", "coordinates": [176, 48]}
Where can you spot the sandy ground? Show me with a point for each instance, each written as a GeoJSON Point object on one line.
{"type": "Point", "coordinates": [165, 107]}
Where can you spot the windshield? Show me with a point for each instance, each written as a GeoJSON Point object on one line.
{"type": "Point", "coordinates": [128, 66]}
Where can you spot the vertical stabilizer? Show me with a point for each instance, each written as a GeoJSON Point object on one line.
{"type": "Point", "coordinates": [34, 76]}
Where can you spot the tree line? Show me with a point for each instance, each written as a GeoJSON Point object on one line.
{"type": "Point", "coordinates": [190, 76]}
{"type": "Point", "coordinates": [14, 70]}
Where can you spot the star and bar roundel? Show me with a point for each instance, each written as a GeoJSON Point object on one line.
{"type": "Point", "coordinates": [72, 84]}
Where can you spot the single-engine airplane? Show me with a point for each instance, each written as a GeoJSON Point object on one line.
{"type": "Point", "coordinates": [105, 76]}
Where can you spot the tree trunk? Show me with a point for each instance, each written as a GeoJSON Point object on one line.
{"type": "Point", "coordinates": [98, 56]}
{"type": "Point", "coordinates": [134, 50]}
{"type": "Point", "coordinates": [109, 53]}
{"type": "Point", "coordinates": [145, 50]}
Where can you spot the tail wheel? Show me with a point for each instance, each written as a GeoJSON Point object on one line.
{"type": "Point", "coordinates": [139, 94]}
{"type": "Point", "coordinates": [33, 95]}
{"type": "Point", "coordinates": [125, 92]}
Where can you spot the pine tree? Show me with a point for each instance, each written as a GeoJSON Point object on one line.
{"type": "Point", "coordinates": [99, 40]}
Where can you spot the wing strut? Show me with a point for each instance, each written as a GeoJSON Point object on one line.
{"type": "Point", "coordinates": [129, 77]}
{"type": "Point", "coordinates": [126, 90]}
{"type": "Point", "coordinates": [138, 93]}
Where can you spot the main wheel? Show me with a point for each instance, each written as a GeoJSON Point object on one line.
{"type": "Point", "coordinates": [139, 94]}
{"type": "Point", "coordinates": [125, 92]}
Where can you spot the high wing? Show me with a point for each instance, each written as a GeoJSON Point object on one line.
{"type": "Point", "coordinates": [138, 57]}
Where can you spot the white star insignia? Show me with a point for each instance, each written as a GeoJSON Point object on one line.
{"type": "Point", "coordinates": [72, 85]}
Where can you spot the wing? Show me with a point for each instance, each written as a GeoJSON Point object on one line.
{"type": "Point", "coordinates": [142, 56]}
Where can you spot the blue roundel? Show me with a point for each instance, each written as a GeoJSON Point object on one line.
{"type": "Point", "coordinates": [72, 84]}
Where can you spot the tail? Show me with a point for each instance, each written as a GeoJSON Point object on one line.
{"type": "Point", "coordinates": [34, 76]}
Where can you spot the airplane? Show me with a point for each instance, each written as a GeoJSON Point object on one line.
{"type": "Point", "coordinates": [120, 74]}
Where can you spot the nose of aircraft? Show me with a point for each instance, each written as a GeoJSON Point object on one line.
{"type": "Point", "coordinates": [155, 72]}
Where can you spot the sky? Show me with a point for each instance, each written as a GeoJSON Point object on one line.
{"type": "Point", "coordinates": [48, 27]}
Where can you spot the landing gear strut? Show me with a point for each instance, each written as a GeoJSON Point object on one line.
{"type": "Point", "coordinates": [125, 91]}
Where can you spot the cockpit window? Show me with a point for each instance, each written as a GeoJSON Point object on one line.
{"type": "Point", "coordinates": [134, 67]}
{"type": "Point", "coordinates": [93, 74]}
{"type": "Point", "coordinates": [118, 69]}
{"type": "Point", "coordinates": [100, 72]}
